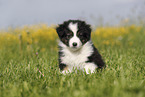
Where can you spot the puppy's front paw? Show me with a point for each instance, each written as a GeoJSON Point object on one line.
{"type": "Point", "coordinates": [66, 71]}
{"type": "Point", "coordinates": [90, 68]}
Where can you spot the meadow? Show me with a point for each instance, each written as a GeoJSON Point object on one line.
{"type": "Point", "coordinates": [29, 65]}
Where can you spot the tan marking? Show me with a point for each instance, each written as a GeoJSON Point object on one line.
{"type": "Point", "coordinates": [66, 68]}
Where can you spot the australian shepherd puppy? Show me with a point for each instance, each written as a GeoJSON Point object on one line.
{"type": "Point", "coordinates": [76, 50]}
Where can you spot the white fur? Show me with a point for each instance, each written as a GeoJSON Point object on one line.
{"type": "Point", "coordinates": [77, 59]}
{"type": "Point", "coordinates": [74, 29]}
{"type": "Point", "coordinates": [90, 68]}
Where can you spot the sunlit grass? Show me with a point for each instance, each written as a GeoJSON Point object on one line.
{"type": "Point", "coordinates": [29, 66]}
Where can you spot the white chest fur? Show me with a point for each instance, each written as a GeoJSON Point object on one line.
{"type": "Point", "coordinates": [76, 59]}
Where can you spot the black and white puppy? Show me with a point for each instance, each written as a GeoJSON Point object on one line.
{"type": "Point", "coordinates": [76, 50]}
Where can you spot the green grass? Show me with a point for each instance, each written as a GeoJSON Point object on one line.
{"type": "Point", "coordinates": [26, 74]}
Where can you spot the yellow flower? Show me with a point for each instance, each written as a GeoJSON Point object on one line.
{"type": "Point", "coordinates": [43, 49]}
{"type": "Point", "coordinates": [42, 33]}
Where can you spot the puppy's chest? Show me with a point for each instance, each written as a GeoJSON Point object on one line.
{"type": "Point", "coordinates": [75, 58]}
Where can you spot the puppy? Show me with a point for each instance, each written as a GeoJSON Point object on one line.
{"type": "Point", "coordinates": [76, 50]}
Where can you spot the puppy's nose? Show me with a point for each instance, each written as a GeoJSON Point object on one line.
{"type": "Point", "coordinates": [74, 44]}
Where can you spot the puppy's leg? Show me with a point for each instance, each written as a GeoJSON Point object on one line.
{"type": "Point", "coordinates": [90, 68]}
{"type": "Point", "coordinates": [64, 68]}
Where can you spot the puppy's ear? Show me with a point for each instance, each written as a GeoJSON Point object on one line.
{"type": "Point", "coordinates": [85, 27]}
{"type": "Point", "coordinates": [60, 30]}
{"type": "Point", "coordinates": [88, 27]}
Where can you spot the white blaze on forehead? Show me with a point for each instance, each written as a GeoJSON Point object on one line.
{"type": "Point", "coordinates": [73, 28]}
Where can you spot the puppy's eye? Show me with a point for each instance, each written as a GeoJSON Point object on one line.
{"type": "Point", "coordinates": [68, 36]}
{"type": "Point", "coordinates": [81, 34]}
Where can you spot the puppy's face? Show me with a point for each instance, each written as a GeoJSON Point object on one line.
{"type": "Point", "coordinates": [74, 33]}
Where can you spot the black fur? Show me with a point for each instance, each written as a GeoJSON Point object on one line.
{"type": "Point", "coordinates": [96, 58]}
{"type": "Point", "coordinates": [61, 65]}
{"type": "Point", "coordinates": [64, 33]}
